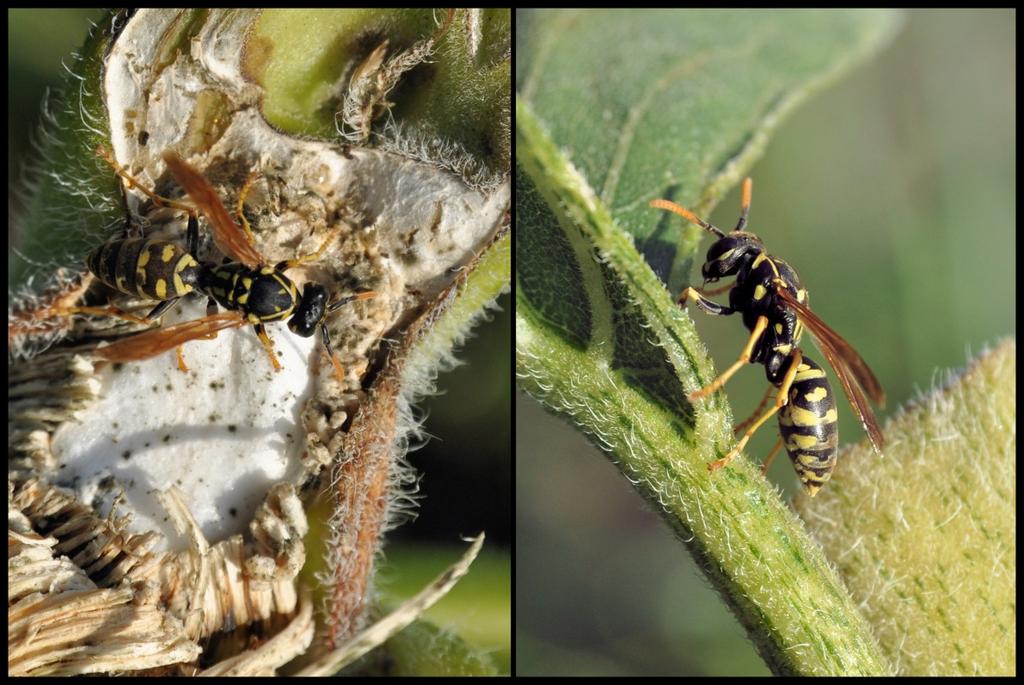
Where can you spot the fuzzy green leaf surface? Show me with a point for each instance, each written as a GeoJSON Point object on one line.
{"type": "Point", "coordinates": [424, 649]}
{"type": "Point", "coordinates": [925, 538]}
{"type": "Point", "coordinates": [460, 97]}
{"type": "Point", "coordinates": [66, 197]}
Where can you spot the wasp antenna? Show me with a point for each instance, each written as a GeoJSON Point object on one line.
{"type": "Point", "coordinates": [748, 185]}
{"type": "Point", "coordinates": [686, 214]}
{"type": "Point", "coordinates": [365, 295]}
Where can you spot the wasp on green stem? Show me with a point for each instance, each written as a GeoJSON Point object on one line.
{"type": "Point", "coordinates": [774, 305]}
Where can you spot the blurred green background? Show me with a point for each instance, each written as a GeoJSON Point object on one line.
{"type": "Point", "coordinates": [465, 466]}
{"type": "Point", "coordinates": [892, 193]}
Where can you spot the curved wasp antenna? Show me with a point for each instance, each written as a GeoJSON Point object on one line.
{"type": "Point", "coordinates": [748, 186]}
{"type": "Point", "coordinates": [709, 227]}
{"type": "Point", "coordinates": [687, 214]}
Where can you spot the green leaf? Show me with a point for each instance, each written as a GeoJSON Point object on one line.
{"type": "Point", "coordinates": [925, 538]}
{"type": "Point", "coordinates": [676, 104]}
{"type": "Point", "coordinates": [616, 109]}
{"type": "Point", "coordinates": [424, 649]}
{"type": "Point", "coordinates": [66, 193]}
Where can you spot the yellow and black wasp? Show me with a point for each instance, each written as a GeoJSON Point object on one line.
{"type": "Point", "coordinates": [252, 291]}
{"type": "Point", "coordinates": [774, 304]}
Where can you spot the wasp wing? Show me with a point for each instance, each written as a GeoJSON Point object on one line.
{"type": "Point", "coordinates": [151, 343]}
{"type": "Point", "coordinates": [846, 362]}
{"type": "Point", "coordinates": [227, 234]}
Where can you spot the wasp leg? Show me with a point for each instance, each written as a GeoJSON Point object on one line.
{"type": "Point", "coordinates": [211, 309]}
{"type": "Point", "coordinates": [781, 400]}
{"type": "Point", "coordinates": [261, 331]}
{"type": "Point", "coordinates": [118, 313]}
{"type": "Point", "coordinates": [106, 311]}
{"type": "Point", "coordinates": [311, 257]}
{"type": "Point", "coordinates": [160, 309]}
{"type": "Point", "coordinates": [192, 235]}
{"type": "Point", "coordinates": [771, 457]}
{"type": "Point", "coordinates": [755, 336]}
{"type": "Point", "coordinates": [133, 182]}
{"type": "Point", "coordinates": [246, 187]}
{"type": "Point", "coordinates": [753, 415]}
{"type": "Point", "coordinates": [325, 336]}
{"type": "Point", "coordinates": [180, 353]}
{"type": "Point", "coordinates": [718, 291]}
{"type": "Point", "coordinates": [706, 305]}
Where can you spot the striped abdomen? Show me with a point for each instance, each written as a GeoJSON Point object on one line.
{"type": "Point", "coordinates": [808, 426]}
{"type": "Point", "coordinates": [152, 269]}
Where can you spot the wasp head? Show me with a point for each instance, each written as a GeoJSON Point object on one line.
{"type": "Point", "coordinates": [310, 311]}
{"type": "Point", "coordinates": [728, 254]}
